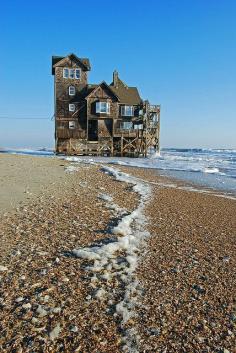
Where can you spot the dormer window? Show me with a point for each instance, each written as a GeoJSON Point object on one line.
{"type": "Point", "coordinates": [71, 91]}
{"type": "Point", "coordinates": [71, 107]}
{"type": "Point", "coordinates": [72, 73]}
{"type": "Point", "coordinates": [65, 73]}
{"type": "Point", "coordinates": [127, 110]}
{"type": "Point", "coordinates": [77, 74]}
{"type": "Point", "coordinates": [103, 107]}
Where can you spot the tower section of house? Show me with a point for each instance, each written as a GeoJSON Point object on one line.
{"type": "Point", "coordinates": [100, 119]}
{"type": "Point", "coordinates": [70, 83]}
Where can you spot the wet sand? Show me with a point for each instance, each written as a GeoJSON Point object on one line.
{"type": "Point", "coordinates": [186, 272]}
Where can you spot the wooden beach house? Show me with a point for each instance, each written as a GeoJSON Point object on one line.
{"type": "Point", "coordinates": [100, 119]}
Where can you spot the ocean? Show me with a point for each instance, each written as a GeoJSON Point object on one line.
{"type": "Point", "coordinates": [212, 168]}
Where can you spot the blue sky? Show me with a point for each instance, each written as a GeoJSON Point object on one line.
{"type": "Point", "coordinates": [180, 53]}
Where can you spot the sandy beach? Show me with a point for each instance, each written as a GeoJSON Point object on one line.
{"type": "Point", "coordinates": [93, 260]}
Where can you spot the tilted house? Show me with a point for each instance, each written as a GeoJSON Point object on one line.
{"type": "Point", "coordinates": [100, 119]}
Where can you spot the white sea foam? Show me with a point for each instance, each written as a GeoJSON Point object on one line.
{"type": "Point", "coordinates": [211, 170]}
{"type": "Point", "coordinates": [119, 257]}
{"type": "Point", "coordinates": [71, 169]}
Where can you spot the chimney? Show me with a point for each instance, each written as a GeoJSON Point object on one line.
{"type": "Point", "coordinates": [115, 78]}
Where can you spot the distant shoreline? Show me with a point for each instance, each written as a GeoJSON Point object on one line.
{"type": "Point", "coordinates": [22, 176]}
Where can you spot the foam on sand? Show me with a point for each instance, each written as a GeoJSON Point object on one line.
{"type": "Point", "coordinates": [117, 260]}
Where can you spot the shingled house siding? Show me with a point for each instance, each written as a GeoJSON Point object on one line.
{"type": "Point", "coordinates": [63, 99]}
{"type": "Point", "coordinates": [105, 128]}
{"type": "Point", "coordinates": [102, 95]}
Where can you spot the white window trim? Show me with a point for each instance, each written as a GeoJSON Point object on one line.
{"type": "Point", "coordinates": [74, 73]}
{"type": "Point", "coordinates": [71, 94]}
{"type": "Point", "coordinates": [64, 69]}
{"type": "Point", "coordinates": [99, 105]}
{"type": "Point", "coordinates": [71, 125]}
{"type": "Point", "coordinates": [71, 107]}
{"type": "Point", "coordinates": [124, 109]}
{"type": "Point", "coordinates": [78, 78]}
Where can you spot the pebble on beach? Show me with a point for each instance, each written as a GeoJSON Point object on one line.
{"type": "Point", "coordinates": [185, 275]}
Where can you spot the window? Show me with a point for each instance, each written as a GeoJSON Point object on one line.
{"type": "Point", "coordinates": [71, 124]}
{"type": "Point", "coordinates": [103, 107]}
{"type": "Point", "coordinates": [72, 73]}
{"type": "Point", "coordinates": [127, 110]}
{"type": "Point", "coordinates": [138, 127]}
{"type": "Point", "coordinates": [126, 125]}
{"type": "Point", "coordinates": [140, 112]}
{"type": "Point", "coordinates": [71, 91]}
{"type": "Point", "coordinates": [153, 121]}
{"type": "Point", "coordinates": [155, 118]}
{"type": "Point", "coordinates": [71, 107]}
{"type": "Point", "coordinates": [65, 73]}
{"type": "Point", "coordinates": [77, 73]}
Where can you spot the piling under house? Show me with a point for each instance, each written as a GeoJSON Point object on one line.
{"type": "Point", "coordinates": [100, 119]}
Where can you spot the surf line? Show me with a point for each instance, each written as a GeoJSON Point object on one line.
{"type": "Point", "coordinates": [185, 188]}
{"type": "Point", "coordinates": [112, 265]}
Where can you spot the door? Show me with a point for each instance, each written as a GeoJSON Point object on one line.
{"type": "Point", "coordinates": [109, 124]}
{"type": "Point", "coordinates": [92, 130]}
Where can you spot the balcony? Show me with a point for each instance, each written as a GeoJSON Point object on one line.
{"type": "Point", "coordinates": [126, 133]}
{"type": "Point", "coordinates": [154, 108]}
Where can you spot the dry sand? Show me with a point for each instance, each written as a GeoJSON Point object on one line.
{"type": "Point", "coordinates": [24, 177]}
{"type": "Point", "coordinates": [186, 273]}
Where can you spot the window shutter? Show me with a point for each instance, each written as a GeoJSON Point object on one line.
{"type": "Point", "coordinates": [97, 107]}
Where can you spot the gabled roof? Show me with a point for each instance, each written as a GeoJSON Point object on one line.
{"type": "Point", "coordinates": [126, 94]}
{"type": "Point", "coordinates": [82, 61]}
{"type": "Point", "coordinates": [103, 83]}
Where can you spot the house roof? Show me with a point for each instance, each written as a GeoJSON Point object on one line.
{"type": "Point", "coordinates": [126, 94]}
{"type": "Point", "coordinates": [93, 88]}
{"type": "Point", "coordinates": [86, 90]}
{"type": "Point", "coordinates": [84, 61]}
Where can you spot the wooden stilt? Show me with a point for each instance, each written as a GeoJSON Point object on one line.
{"type": "Point", "coordinates": [121, 145]}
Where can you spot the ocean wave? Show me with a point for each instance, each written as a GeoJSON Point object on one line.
{"type": "Point", "coordinates": [28, 151]}
{"type": "Point", "coordinates": [176, 166]}
{"type": "Point", "coordinates": [218, 162]}
{"type": "Point", "coordinates": [199, 150]}
{"type": "Point", "coordinates": [211, 170]}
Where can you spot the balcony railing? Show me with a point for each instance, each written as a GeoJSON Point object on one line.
{"type": "Point", "coordinates": [154, 108]}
